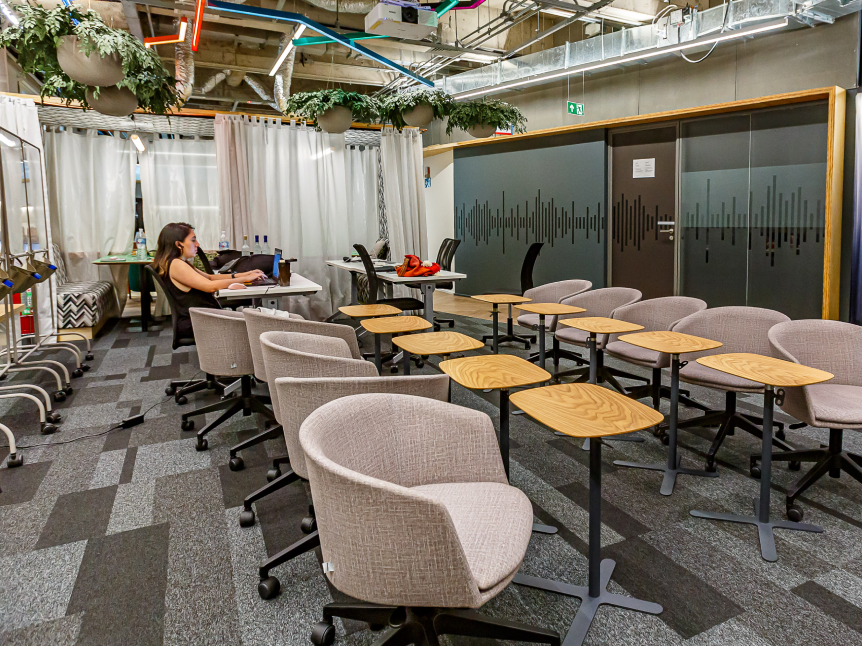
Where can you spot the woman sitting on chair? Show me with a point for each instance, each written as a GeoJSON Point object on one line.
{"type": "Point", "coordinates": [189, 286]}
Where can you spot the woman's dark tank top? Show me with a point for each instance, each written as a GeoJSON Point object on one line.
{"type": "Point", "coordinates": [192, 298]}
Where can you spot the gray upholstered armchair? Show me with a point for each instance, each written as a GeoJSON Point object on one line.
{"type": "Point", "coordinates": [224, 351]}
{"type": "Point", "coordinates": [305, 372]}
{"type": "Point", "coordinates": [739, 329]}
{"type": "Point", "coordinates": [426, 481]}
{"type": "Point", "coordinates": [836, 404]}
{"type": "Point", "coordinates": [552, 293]}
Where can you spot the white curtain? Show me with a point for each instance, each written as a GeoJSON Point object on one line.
{"type": "Point", "coordinates": [91, 191]}
{"type": "Point", "coordinates": [360, 165]}
{"type": "Point", "coordinates": [20, 117]}
{"type": "Point", "coordinates": [403, 184]}
{"type": "Point", "coordinates": [179, 183]}
{"type": "Point", "coordinates": [298, 187]}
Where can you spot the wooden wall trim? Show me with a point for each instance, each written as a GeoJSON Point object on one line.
{"type": "Point", "coordinates": [834, 198]}
{"type": "Point", "coordinates": [685, 113]}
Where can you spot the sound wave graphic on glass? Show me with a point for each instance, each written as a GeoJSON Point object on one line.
{"type": "Point", "coordinates": [780, 220]}
{"type": "Point", "coordinates": [540, 222]}
{"type": "Point", "coordinates": [633, 222]}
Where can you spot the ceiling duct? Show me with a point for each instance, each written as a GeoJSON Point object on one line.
{"type": "Point", "coordinates": [260, 90]}
{"type": "Point", "coordinates": [344, 6]}
{"type": "Point", "coordinates": [214, 80]}
{"type": "Point", "coordinates": [184, 65]}
{"type": "Point", "coordinates": [281, 82]}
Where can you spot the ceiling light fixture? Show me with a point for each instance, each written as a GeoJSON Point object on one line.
{"type": "Point", "coordinates": [138, 143]}
{"type": "Point", "coordinates": [10, 15]}
{"type": "Point", "coordinates": [167, 40]}
{"type": "Point", "coordinates": [8, 141]}
{"type": "Point", "coordinates": [200, 5]}
{"type": "Point", "coordinates": [628, 59]}
{"type": "Point", "coordinates": [296, 34]}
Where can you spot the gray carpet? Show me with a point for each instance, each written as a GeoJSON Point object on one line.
{"type": "Point", "coordinates": [132, 537]}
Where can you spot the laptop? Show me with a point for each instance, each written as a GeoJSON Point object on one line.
{"type": "Point", "coordinates": [263, 282]}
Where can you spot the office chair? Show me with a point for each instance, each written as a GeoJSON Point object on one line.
{"type": "Point", "coordinates": [555, 292]}
{"type": "Point", "coordinates": [445, 255]}
{"type": "Point", "coordinates": [224, 351]}
{"type": "Point", "coordinates": [449, 531]}
{"type": "Point", "coordinates": [306, 371]}
{"type": "Point", "coordinates": [526, 285]}
{"type": "Point", "coordinates": [180, 388]}
{"type": "Point", "coordinates": [208, 268]}
{"type": "Point", "coordinates": [739, 329]}
{"type": "Point", "coordinates": [402, 303]}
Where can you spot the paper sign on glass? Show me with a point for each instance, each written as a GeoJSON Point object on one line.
{"type": "Point", "coordinates": [643, 168]}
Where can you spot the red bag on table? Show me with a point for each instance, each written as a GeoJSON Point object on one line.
{"type": "Point", "coordinates": [412, 267]}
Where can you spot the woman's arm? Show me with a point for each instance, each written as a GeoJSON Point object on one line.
{"type": "Point", "coordinates": [243, 277]}
{"type": "Point", "coordinates": [192, 278]}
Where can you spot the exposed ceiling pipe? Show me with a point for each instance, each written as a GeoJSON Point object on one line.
{"type": "Point", "coordinates": [234, 78]}
{"type": "Point", "coordinates": [281, 82]}
{"type": "Point", "coordinates": [214, 80]}
{"type": "Point", "coordinates": [260, 90]}
{"type": "Point", "coordinates": [345, 6]}
{"type": "Point", "coordinates": [184, 66]}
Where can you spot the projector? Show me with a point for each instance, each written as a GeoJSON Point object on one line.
{"type": "Point", "coordinates": [401, 20]}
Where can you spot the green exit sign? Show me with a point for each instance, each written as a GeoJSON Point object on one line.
{"type": "Point", "coordinates": [576, 108]}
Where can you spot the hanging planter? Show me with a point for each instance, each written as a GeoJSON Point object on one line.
{"type": "Point", "coordinates": [89, 69]}
{"type": "Point", "coordinates": [72, 49]}
{"type": "Point", "coordinates": [333, 110]}
{"type": "Point", "coordinates": [114, 101]}
{"type": "Point", "coordinates": [482, 118]}
{"type": "Point", "coordinates": [416, 108]}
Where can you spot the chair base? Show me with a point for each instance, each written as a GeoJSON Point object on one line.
{"type": "Point", "coordinates": [440, 322]}
{"type": "Point", "coordinates": [831, 460]}
{"type": "Point", "coordinates": [423, 626]}
{"type": "Point", "coordinates": [180, 388]}
{"type": "Point", "coordinates": [246, 403]}
{"type": "Point", "coordinates": [236, 463]}
{"type": "Point", "coordinates": [657, 392]}
{"type": "Point", "coordinates": [269, 586]}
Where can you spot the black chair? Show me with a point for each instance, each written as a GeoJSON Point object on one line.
{"type": "Point", "coordinates": [526, 283]}
{"type": "Point", "coordinates": [444, 258]}
{"type": "Point", "coordinates": [208, 268]}
{"type": "Point", "coordinates": [405, 303]}
{"type": "Point", "coordinates": [179, 389]}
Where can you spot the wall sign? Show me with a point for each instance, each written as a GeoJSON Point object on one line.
{"type": "Point", "coordinates": [576, 109]}
{"type": "Point", "coordinates": [643, 168]}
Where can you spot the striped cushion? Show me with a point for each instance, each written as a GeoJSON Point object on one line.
{"type": "Point", "coordinates": [83, 304]}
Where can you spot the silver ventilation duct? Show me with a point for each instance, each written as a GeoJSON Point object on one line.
{"type": "Point", "coordinates": [258, 88]}
{"type": "Point", "coordinates": [344, 6]}
{"type": "Point", "coordinates": [184, 65]}
{"type": "Point", "coordinates": [214, 80]}
{"type": "Point", "coordinates": [281, 86]}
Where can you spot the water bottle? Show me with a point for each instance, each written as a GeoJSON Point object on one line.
{"type": "Point", "coordinates": [265, 245]}
{"type": "Point", "coordinates": [257, 244]}
{"type": "Point", "coordinates": [137, 240]}
{"type": "Point", "coordinates": [246, 250]}
{"type": "Point", "coordinates": [223, 244]}
{"type": "Point", "coordinates": [142, 247]}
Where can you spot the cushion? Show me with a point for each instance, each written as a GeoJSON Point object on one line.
{"type": "Point", "coordinates": [83, 304]}
{"type": "Point", "coordinates": [578, 337]}
{"type": "Point", "coordinates": [531, 321]}
{"type": "Point", "coordinates": [635, 354]}
{"type": "Point", "coordinates": [284, 314]}
{"type": "Point", "coordinates": [694, 373]}
{"type": "Point", "coordinates": [836, 403]}
{"type": "Point", "coordinates": [494, 522]}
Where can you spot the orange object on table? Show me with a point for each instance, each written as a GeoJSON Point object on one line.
{"type": "Point", "coordinates": [412, 267]}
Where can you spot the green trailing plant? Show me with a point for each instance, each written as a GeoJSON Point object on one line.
{"type": "Point", "coordinates": [492, 112]}
{"type": "Point", "coordinates": [38, 33]}
{"type": "Point", "coordinates": [308, 105]}
{"type": "Point", "coordinates": [392, 106]}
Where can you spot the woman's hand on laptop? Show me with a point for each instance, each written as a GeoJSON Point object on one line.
{"type": "Point", "coordinates": [249, 276]}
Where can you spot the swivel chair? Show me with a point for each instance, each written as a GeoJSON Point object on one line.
{"type": "Point", "coordinates": [553, 293]}
{"type": "Point", "coordinates": [449, 532]}
{"type": "Point", "coordinates": [526, 285]}
{"type": "Point", "coordinates": [402, 303]}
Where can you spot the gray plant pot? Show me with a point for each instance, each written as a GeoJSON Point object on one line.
{"type": "Point", "coordinates": [115, 101]}
{"type": "Point", "coordinates": [419, 116]}
{"type": "Point", "coordinates": [481, 130]}
{"type": "Point", "coordinates": [95, 69]}
{"type": "Point", "coordinates": [335, 120]}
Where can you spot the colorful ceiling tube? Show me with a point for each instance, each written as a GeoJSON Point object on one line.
{"type": "Point", "coordinates": [200, 5]}
{"type": "Point", "coordinates": [297, 18]}
{"type": "Point", "coordinates": [167, 40]}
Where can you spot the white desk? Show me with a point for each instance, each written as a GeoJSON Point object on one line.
{"type": "Point", "coordinates": [299, 286]}
{"type": "Point", "coordinates": [427, 283]}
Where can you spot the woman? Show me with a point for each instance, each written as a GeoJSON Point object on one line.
{"type": "Point", "coordinates": [188, 286]}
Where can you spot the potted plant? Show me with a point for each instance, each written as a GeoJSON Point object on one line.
{"type": "Point", "coordinates": [333, 110]}
{"type": "Point", "coordinates": [50, 40]}
{"type": "Point", "coordinates": [417, 107]}
{"type": "Point", "coordinates": [482, 118]}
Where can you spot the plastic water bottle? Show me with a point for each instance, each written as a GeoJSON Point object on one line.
{"type": "Point", "coordinates": [257, 244]}
{"type": "Point", "coordinates": [223, 244]}
{"type": "Point", "coordinates": [142, 247]}
{"type": "Point", "coordinates": [138, 240]}
{"type": "Point", "coordinates": [265, 248]}
{"type": "Point", "coordinates": [246, 250]}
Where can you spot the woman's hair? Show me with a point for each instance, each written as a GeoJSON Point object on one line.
{"type": "Point", "coordinates": [167, 250]}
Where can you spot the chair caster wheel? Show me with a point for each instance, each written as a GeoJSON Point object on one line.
{"type": "Point", "coordinates": [710, 465]}
{"type": "Point", "coordinates": [794, 465]}
{"type": "Point", "coordinates": [269, 588]}
{"type": "Point", "coordinates": [170, 390]}
{"type": "Point", "coordinates": [89, 356]}
{"type": "Point", "coordinates": [527, 346]}
{"type": "Point", "coordinates": [780, 435]}
{"type": "Point", "coordinates": [182, 399]}
{"type": "Point", "coordinates": [236, 463]}
{"type": "Point", "coordinates": [323, 634]}
{"type": "Point", "coordinates": [187, 424]}
{"type": "Point", "coordinates": [68, 390]}
{"type": "Point", "coordinates": [795, 514]}
{"type": "Point", "coordinates": [47, 429]}
{"type": "Point", "coordinates": [60, 396]}
{"type": "Point", "coordinates": [246, 519]}
{"type": "Point", "coordinates": [85, 367]}
{"type": "Point", "coordinates": [665, 439]}
{"type": "Point", "coordinates": [755, 472]}
{"type": "Point", "coordinates": [308, 525]}
{"type": "Point", "coordinates": [77, 372]}
{"type": "Point", "coordinates": [420, 364]}
{"type": "Point", "coordinates": [272, 474]}
{"type": "Point", "coordinates": [451, 323]}
{"type": "Point", "coordinates": [376, 628]}
{"type": "Point", "coordinates": [54, 417]}
{"type": "Point", "coordinates": [202, 444]}
{"type": "Point", "coordinates": [15, 461]}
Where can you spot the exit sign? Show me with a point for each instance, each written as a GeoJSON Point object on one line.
{"type": "Point", "coordinates": [576, 108]}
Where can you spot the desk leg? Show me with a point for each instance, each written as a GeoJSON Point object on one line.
{"type": "Point", "coordinates": [504, 429]}
{"type": "Point", "coordinates": [354, 288]}
{"type": "Point", "coordinates": [428, 298]}
{"type": "Point", "coordinates": [495, 313]}
{"type": "Point", "coordinates": [542, 341]}
{"type": "Point", "coordinates": [594, 371]}
{"type": "Point", "coordinates": [389, 290]}
{"type": "Point", "coordinates": [146, 299]}
{"type": "Point", "coordinates": [761, 519]}
{"type": "Point", "coordinates": [405, 361]}
{"type": "Point", "coordinates": [378, 361]}
{"type": "Point", "coordinates": [595, 593]}
{"type": "Point", "coordinates": [672, 468]}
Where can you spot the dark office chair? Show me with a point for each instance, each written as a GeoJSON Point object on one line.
{"type": "Point", "coordinates": [404, 303]}
{"type": "Point", "coordinates": [180, 388]}
{"type": "Point", "coordinates": [208, 268]}
{"type": "Point", "coordinates": [444, 258]}
{"type": "Point", "coordinates": [526, 283]}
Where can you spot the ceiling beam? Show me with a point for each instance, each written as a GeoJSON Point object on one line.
{"type": "Point", "coordinates": [130, 11]}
